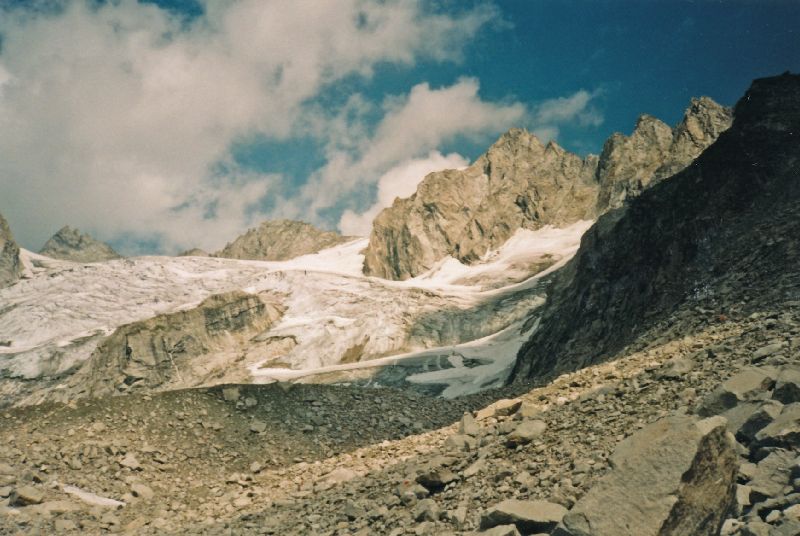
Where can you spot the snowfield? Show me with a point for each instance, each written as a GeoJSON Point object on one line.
{"type": "Point", "coordinates": [469, 319]}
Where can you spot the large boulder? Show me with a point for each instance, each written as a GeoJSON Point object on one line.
{"type": "Point", "coordinates": [71, 245]}
{"type": "Point", "coordinates": [529, 517]}
{"type": "Point", "coordinates": [675, 477]}
{"type": "Point", "coordinates": [10, 265]}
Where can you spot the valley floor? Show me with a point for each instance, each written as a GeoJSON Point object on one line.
{"type": "Point", "coordinates": [311, 459]}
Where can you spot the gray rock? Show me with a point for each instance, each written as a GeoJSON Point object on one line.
{"type": "Point", "coordinates": [783, 432]}
{"type": "Point", "coordinates": [771, 476]}
{"type": "Point", "coordinates": [10, 265]}
{"type": "Point", "coordinates": [71, 245]}
{"type": "Point", "coordinates": [767, 350]}
{"type": "Point", "coordinates": [130, 462]}
{"type": "Point", "coordinates": [747, 418]}
{"type": "Point", "coordinates": [501, 530]}
{"type": "Point", "coordinates": [749, 384]}
{"type": "Point", "coordinates": [258, 427]}
{"type": "Point", "coordinates": [25, 496]}
{"type": "Point", "coordinates": [436, 478]}
{"type": "Point", "coordinates": [281, 240]}
{"type": "Point", "coordinates": [528, 516]}
{"type": "Point", "coordinates": [468, 426]}
{"type": "Point", "coordinates": [675, 476]}
{"type": "Point", "coordinates": [787, 385]}
{"type": "Point", "coordinates": [460, 442]}
{"type": "Point", "coordinates": [525, 432]}
{"type": "Point", "coordinates": [426, 510]}
{"type": "Point", "coordinates": [676, 368]}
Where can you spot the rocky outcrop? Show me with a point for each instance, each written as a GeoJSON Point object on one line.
{"type": "Point", "coordinates": [174, 348]}
{"type": "Point", "coordinates": [676, 476]}
{"type": "Point", "coordinates": [194, 252]}
{"type": "Point", "coordinates": [521, 183]}
{"type": "Point", "coordinates": [731, 217]}
{"type": "Point", "coordinates": [71, 245]}
{"type": "Point", "coordinates": [630, 164]}
{"type": "Point", "coordinates": [281, 240]}
{"type": "Point", "coordinates": [10, 265]}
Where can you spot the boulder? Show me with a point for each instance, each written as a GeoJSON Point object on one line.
{"type": "Point", "coordinates": [25, 496]}
{"type": "Point", "coordinates": [676, 476]}
{"type": "Point", "coordinates": [787, 385]}
{"type": "Point", "coordinates": [501, 408]}
{"type": "Point", "coordinates": [525, 432]}
{"type": "Point", "coordinates": [528, 517]}
{"type": "Point", "coordinates": [749, 384]}
{"type": "Point", "coordinates": [748, 418]}
{"type": "Point", "coordinates": [783, 432]}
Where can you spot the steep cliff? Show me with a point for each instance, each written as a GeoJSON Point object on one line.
{"type": "Point", "coordinates": [720, 234]}
{"type": "Point", "coordinates": [280, 240]}
{"type": "Point", "coordinates": [10, 266]}
{"type": "Point", "coordinates": [71, 245]}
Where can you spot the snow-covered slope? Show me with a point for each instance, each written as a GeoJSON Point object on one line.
{"type": "Point", "coordinates": [333, 316]}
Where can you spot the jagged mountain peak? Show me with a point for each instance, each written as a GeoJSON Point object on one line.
{"type": "Point", "coordinates": [276, 240]}
{"type": "Point", "coordinates": [522, 183]}
{"type": "Point", "coordinates": [71, 244]}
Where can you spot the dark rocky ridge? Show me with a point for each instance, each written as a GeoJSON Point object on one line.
{"type": "Point", "coordinates": [71, 245]}
{"type": "Point", "coordinates": [725, 230]}
{"type": "Point", "coordinates": [521, 183]}
{"type": "Point", "coordinates": [10, 266]}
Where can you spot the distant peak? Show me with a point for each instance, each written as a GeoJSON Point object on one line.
{"type": "Point", "coordinates": [71, 244]}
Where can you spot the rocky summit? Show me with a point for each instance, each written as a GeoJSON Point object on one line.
{"type": "Point", "coordinates": [656, 393]}
{"type": "Point", "coordinates": [521, 183]}
{"type": "Point", "coordinates": [280, 240]}
{"type": "Point", "coordinates": [10, 265]}
{"type": "Point", "coordinates": [70, 244]}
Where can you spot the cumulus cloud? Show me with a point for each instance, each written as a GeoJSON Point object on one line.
{"type": "Point", "coordinates": [400, 181]}
{"type": "Point", "coordinates": [576, 108]}
{"type": "Point", "coordinates": [411, 127]}
{"type": "Point", "coordinates": [119, 117]}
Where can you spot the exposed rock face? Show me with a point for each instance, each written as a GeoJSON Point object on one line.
{"type": "Point", "coordinates": [194, 252]}
{"type": "Point", "coordinates": [518, 183]}
{"type": "Point", "coordinates": [10, 266]}
{"type": "Point", "coordinates": [522, 184]}
{"type": "Point", "coordinates": [654, 151]}
{"type": "Point", "coordinates": [71, 245]}
{"type": "Point", "coordinates": [676, 476]}
{"type": "Point", "coordinates": [281, 240]}
{"type": "Point", "coordinates": [732, 216]}
{"type": "Point", "coordinates": [170, 348]}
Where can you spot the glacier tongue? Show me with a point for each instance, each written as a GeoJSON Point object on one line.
{"type": "Point", "coordinates": [334, 318]}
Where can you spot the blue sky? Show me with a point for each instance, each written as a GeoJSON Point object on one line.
{"type": "Point", "coordinates": [163, 125]}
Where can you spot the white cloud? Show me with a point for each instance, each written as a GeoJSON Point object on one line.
{"type": "Point", "coordinates": [400, 181]}
{"type": "Point", "coordinates": [113, 117]}
{"type": "Point", "coordinates": [575, 108]}
{"type": "Point", "coordinates": [412, 126]}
